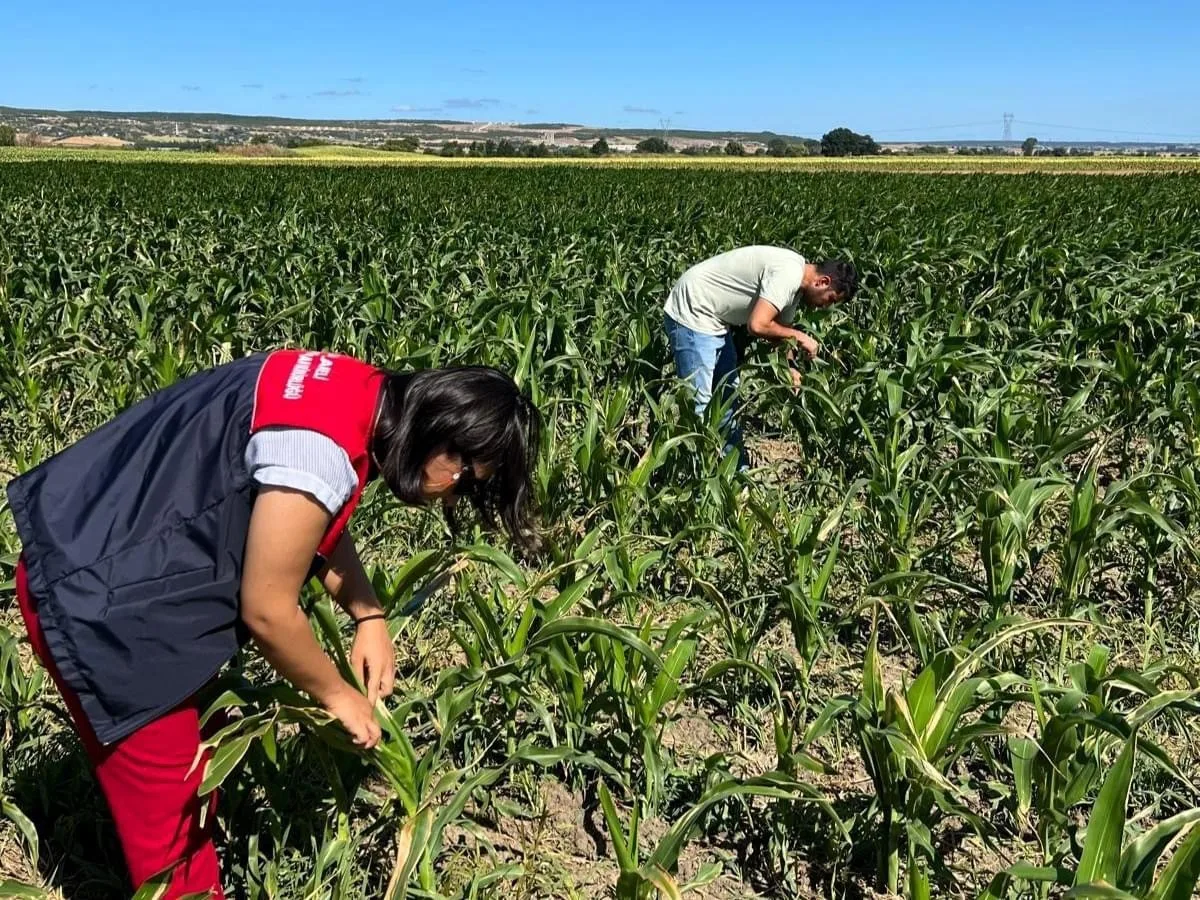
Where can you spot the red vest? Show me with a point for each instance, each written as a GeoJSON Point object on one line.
{"type": "Point", "coordinates": [335, 395]}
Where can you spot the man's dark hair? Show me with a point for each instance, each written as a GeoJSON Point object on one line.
{"type": "Point", "coordinates": [476, 412]}
{"type": "Point", "coordinates": [842, 277]}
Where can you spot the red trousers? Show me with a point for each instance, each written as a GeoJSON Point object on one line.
{"type": "Point", "coordinates": [145, 780]}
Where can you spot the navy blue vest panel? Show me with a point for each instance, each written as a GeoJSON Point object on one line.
{"type": "Point", "coordinates": [133, 541]}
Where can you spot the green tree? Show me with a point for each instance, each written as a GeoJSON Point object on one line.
{"type": "Point", "coordinates": [844, 142]}
{"type": "Point", "coordinates": [8, 136]}
{"type": "Point", "coordinates": [402, 145]}
{"type": "Point", "coordinates": [600, 148]}
{"type": "Point", "coordinates": [653, 145]}
{"type": "Point", "coordinates": [735, 148]}
{"type": "Point", "coordinates": [260, 139]}
{"type": "Point", "coordinates": [777, 147]}
{"type": "Point", "coordinates": [1029, 145]}
{"type": "Point", "coordinates": [839, 142]}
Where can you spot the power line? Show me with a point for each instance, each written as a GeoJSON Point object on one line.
{"type": "Point", "coordinates": [1108, 130]}
{"type": "Point", "coordinates": [933, 127]}
{"type": "Point", "coordinates": [1010, 120]}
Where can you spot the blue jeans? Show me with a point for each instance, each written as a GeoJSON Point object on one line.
{"type": "Point", "coordinates": [708, 362]}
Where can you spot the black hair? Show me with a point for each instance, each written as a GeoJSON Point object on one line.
{"type": "Point", "coordinates": [474, 411]}
{"type": "Point", "coordinates": [842, 277]}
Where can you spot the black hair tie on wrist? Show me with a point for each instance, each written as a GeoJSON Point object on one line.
{"type": "Point", "coordinates": [358, 622]}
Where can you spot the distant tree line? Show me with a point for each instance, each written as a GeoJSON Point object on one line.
{"type": "Point", "coordinates": [839, 142]}
{"type": "Point", "coordinates": [402, 145]}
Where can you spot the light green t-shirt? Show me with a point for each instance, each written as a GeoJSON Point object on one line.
{"type": "Point", "coordinates": [717, 293]}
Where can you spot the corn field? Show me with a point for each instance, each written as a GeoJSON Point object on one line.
{"type": "Point", "coordinates": [941, 642]}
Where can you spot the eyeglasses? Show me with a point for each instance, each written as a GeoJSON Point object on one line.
{"type": "Point", "coordinates": [466, 482]}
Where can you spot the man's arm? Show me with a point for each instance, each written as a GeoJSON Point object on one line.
{"type": "Point", "coordinates": [764, 323]}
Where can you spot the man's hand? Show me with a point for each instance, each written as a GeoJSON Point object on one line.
{"type": "Point", "coordinates": [357, 715]}
{"type": "Point", "coordinates": [807, 344]}
{"type": "Point", "coordinates": [373, 659]}
{"type": "Point", "coordinates": [764, 323]}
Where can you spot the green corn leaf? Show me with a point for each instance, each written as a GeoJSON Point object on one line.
{"type": "Point", "coordinates": [1098, 891]}
{"type": "Point", "coordinates": [999, 887]}
{"type": "Point", "coordinates": [20, 891]}
{"type": "Point", "coordinates": [872, 676]}
{"type": "Point", "coordinates": [616, 832]}
{"type": "Point", "coordinates": [410, 845]}
{"type": "Point", "coordinates": [498, 560]}
{"type": "Point", "coordinates": [769, 679]}
{"type": "Point", "coordinates": [156, 886]}
{"type": "Point", "coordinates": [921, 698]}
{"type": "Point", "coordinates": [568, 597]}
{"type": "Point", "coordinates": [666, 885]}
{"type": "Point", "coordinates": [1101, 859]}
{"type": "Point", "coordinates": [224, 760]}
{"type": "Point", "coordinates": [1178, 880]}
{"type": "Point", "coordinates": [775, 785]}
{"type": "Point", "coordinates": [1024, 753]}
{"type": "Point", "coordinates": [580, 626]}
{"type": "Point", "coordinates": [1140, 858]}
{"type": "Point", "coordinates": [24, 825]}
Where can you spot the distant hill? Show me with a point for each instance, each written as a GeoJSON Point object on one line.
{"type": "Point", "coordinates": [161, 129]}
{"type": "Point", "coordinates": [14, 112]}
{"type": "Point", "coordinates": [522, 129]}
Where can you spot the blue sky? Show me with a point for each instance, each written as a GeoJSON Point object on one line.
{"type": "Point", "coordinates": [1109, 70]}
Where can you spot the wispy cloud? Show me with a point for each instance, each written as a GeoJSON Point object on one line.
{"type": "Point", "coordinates": [253, 86]}
{"type": "Point", "coordinates": [404, 108]}
{"type": "Point", "coordinates": [92, 87]}
{"type": "Point", "coordinates": [532, 112]}
{"type": "Point", "coordinates": [335, 93]}
{"type": "Point", "coordinates": [641, 110]}
{"type": "Point", "coordinates": [189, 87]}
{"type": "Point", "coordinates": [357, 79]}
{"type": "Point", "coordinates": [280, 97]}
{"type": "Point", "coordinates": [471, 71]}
{"type": "Point", "coordinates": [470, 102]}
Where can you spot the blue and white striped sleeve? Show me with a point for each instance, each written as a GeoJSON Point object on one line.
{"type": "Point", "coordinates": [302, 460]}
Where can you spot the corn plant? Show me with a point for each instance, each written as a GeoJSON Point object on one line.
{"type": "Point", "coordinates": [1112, 866]}
{"type": "Point", "coordinates": [642, 874]}
{"type": "Point", "coordinates": [911, 736]}
{"type": "Point", "coordinates": [1057, 768]}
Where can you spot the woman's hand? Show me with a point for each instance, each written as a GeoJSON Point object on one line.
{"type": "Point", "coordinates": [357, 715]}
{"type": "Point", "coordinates": [372, 656]}
{"type": "Point", "coordinates": [374, 659]}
